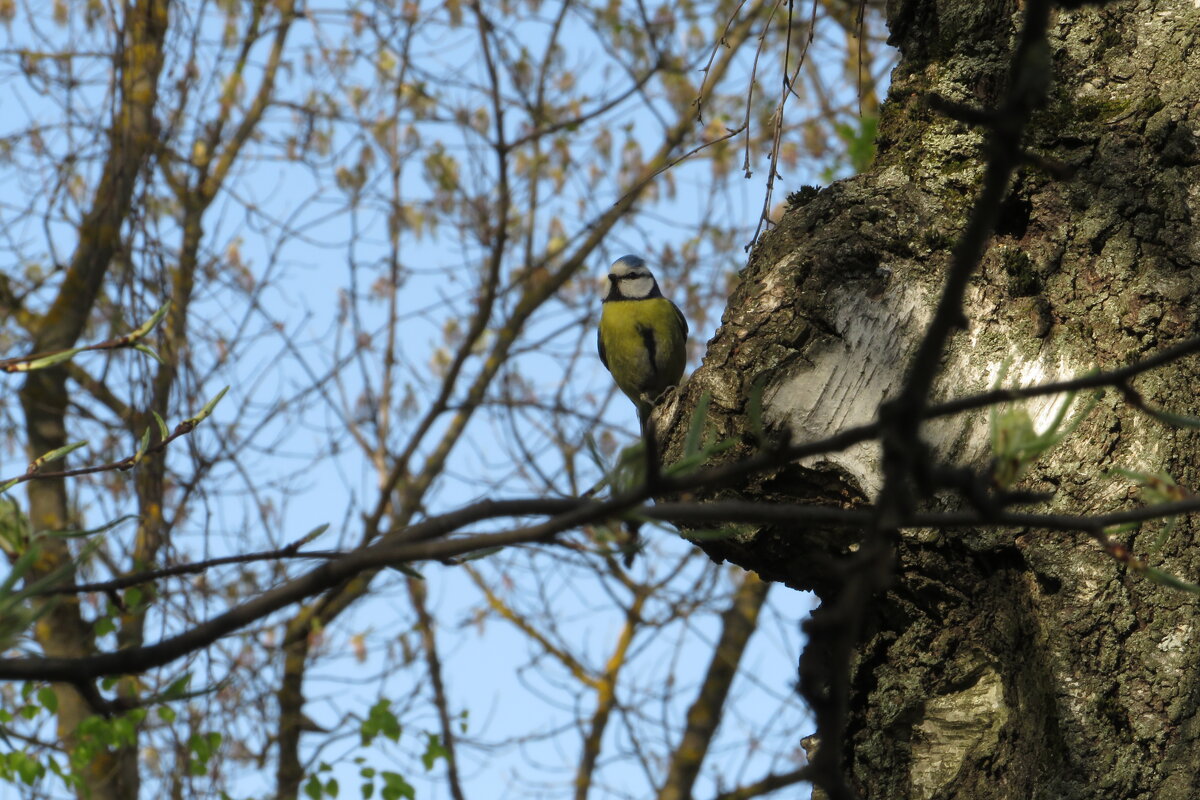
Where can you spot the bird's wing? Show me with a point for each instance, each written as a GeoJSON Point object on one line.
{"type": "Point", "coordinates": [600, 347]}
{"type": "Point", "coordinates": [682, 320]}
{"type": "Point", "coordinates": [650, 342]}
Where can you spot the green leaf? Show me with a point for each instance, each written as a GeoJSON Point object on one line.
{"type": "Point", "coordinates": [55, 455]}
{"type": "Point", "coordinates": [475, 555]}
{"type": "Point", "coordinates": [1016, 445]}
{"type": "Point", "coordinates": [1155, 488]}
{"type": "Point", "coordinates": [1167, 579]}
{"type": "Point", "coordinates": [90, 531]}
{"type": "Point", "coordinates": [434, 749]}
{"type": "Point", "coordinates": [395, 787]}
{"type": "Point", "coordinates": [380, 721]}
{"type": "Point", "coordinates": [589, 445]}
{"type": "Point", "coordinates": [143, 446]}
{"type": "Point", "coordinates": [56, 768]}
{"type": "Point", "coordinates": [20, 568]}
{"type": "Point", "coordinates": [198, 747]}
{"type": "Point", "coordinates": [178, 687]}
{"type": "Point", "coordinates": [208, 408]}
{"type": "Point", "coordinates": [696, 460]}
{"type": "Point", "coordinates": [48, 361]}
{"type": "Point", "coordinates": [48, 698]}
{"type": "Point", "coordinates": [27, 768]}
{"type": "Point", "coordinates": [312, 788]}
{"type": "Point", "coordinates": [149, 324]}
{"type": "Point", "coordinates": [124, 731]}
{"type": "Point", "coordinates": [163, 431]}
{"type": "Point", "coordinates": [695, 434]}
{"type": "Point", "coordinates": [408, 570]}
{"type": "Point", "coordinates": [166, 714]}
{"type": "Point", "coordinates": [313, 534]}
{"type": "Point", "coordinates": [141, 348]}
{"type": "Point", "coordinates": [1176, 420]}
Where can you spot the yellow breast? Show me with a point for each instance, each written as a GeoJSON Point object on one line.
{"type": "Point", "coordinates": [644, 344]}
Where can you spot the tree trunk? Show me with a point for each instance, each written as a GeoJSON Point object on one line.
{"type": "Point", "coordinates": [1000, 663]}
{"type": "Point", "coordinates": [112, 772]}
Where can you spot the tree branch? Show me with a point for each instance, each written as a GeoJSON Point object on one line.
{"type": "Point", "coordinates": [738, 623]}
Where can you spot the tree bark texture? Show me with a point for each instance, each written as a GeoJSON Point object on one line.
{"type": "Point", "coordinates": [1000, 663]}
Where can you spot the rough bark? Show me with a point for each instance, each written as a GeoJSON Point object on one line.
{"type": "Point", "coordinates": [1001, 663]}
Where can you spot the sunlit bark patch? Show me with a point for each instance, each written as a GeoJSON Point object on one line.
{"type": "Point", "coordinates": [952, 728]}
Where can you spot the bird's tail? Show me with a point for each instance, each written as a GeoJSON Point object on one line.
{"type": "Point", "coordinates": [650, 440]}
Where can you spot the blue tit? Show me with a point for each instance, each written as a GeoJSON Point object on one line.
{"type": "Point", "coordinates": [642, 337]}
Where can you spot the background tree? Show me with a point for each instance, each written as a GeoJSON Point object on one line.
{"type": "Point", "coordinates": [377, 225]}
{"type": "Point", "coordinates": [1028, 219]}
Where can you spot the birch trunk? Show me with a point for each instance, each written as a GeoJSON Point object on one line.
{"type": "Point", "coordinates": [1000, 663]}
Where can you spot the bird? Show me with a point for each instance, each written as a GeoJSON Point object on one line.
{"type": "Point", "coordinates": [642, 337]}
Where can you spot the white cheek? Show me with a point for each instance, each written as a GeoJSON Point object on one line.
{"type": "Point", "coordinates": [638, 287]}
